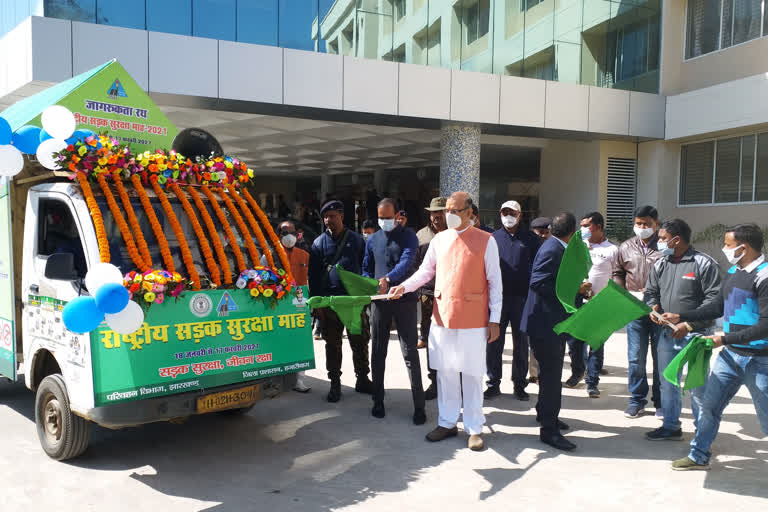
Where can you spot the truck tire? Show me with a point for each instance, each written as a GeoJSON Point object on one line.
{"type": "Point", "coordinates": [63, 435]}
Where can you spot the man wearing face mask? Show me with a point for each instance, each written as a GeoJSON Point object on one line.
{"type": "Point", "coordinates": [634, 262]}
{"type": "Point", "coordinates": [299, 261]}
{"type": "Point", "coordinates": [743, 304]}
{"type": "Point", "coordinates": [389, 257]}
{"type": "Point", "coordinates": [369, 228]}
{"type": "Point", "coordinates": [465, 264]}
{"type": "Point", "coordinates": [517, 249]}
{"type": "Point", "coordinates": [540, 226]}
{"type": "Point", "coordinates": [682, 280]}
{"type": "Point", "coordinates": [425, 235]}
{"type": "Point", "coordinates": [345, 247]}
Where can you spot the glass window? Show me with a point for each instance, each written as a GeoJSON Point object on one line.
{"type": "Point", "coordinates": [173, 16]}
{"type": "Point", "coordinates": [57, 233]}
{"type": "Point", "coordinates": [126, 13]}
{"type": "Point", "coordinates": [295, 19]}
{"type": "Point", "coordinates": [399, 8]}
{"type": "Point", "coordinates": [527, 4]}
{"type": "Point", "coordinates": [741, 21]}
{"type": "Point", "coordinates": [696, 165]}
{"type": "Point", "coordinates": [476, 20]}
{"type": "Point", "coordinates": [214, 19]}
{"type": "Point", "coordinates": [727, 169]}
{"type": "Point", "coordinates": [76, 10]}
{"type": "Point", "coordinates": [703, 27]}
{"type": "Point", "coordinates": [257, 22]}
{"type": "Point", "coordinates": [746, 180]}
{"type": "Point", "coordinates": [761, 169]}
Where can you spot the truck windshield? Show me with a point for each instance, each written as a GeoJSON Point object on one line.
{"type": "Point", "coordinates": [122, 259]}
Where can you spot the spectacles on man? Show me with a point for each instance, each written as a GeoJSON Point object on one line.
{"type": "Point", "coordinates": [455, 211]}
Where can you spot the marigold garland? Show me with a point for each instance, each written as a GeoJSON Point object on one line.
{"type": "Point", "coordinates": [98, 220]}
{"type": "Point", "coordinates": [271, 232]}
{"type": "Point", "coordinates": [252, 251]}
{"type": "Point", "coordinates": [133, 221]}
{"type": "Point", "coordinates": [186, 255]}
{"type": "Point", "coordinates": [125, 231]}
{"type": "Point", "coordinates": [227, 229]}
{"type": "Point", "coordinates": [254, 225]}
{"type": "Point", "coordinates": [210, 262]}
{"type": "Point", "coordinates": [157, 229]}
{"type": "Point", "coordinates": [220, 254]}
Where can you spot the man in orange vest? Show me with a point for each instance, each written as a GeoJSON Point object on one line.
{"type": "Point", "coordinates": [299, 261]}
{"type": "Point", "coordinates": [465, 264]}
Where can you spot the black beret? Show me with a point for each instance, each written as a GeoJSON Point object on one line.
{"type": "Point", "coordinates": [333, 204]}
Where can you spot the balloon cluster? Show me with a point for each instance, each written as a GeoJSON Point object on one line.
{"type": "Point", "coordinates": [109, 301]}
{"type": "Point", "coordinates": [57, 133]}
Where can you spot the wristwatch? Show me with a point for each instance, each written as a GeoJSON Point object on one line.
{"type": "Point", "coordinates": [388, 279]}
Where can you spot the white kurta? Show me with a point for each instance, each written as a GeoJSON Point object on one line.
{"type": "Point", "coordinates": [460, 350]}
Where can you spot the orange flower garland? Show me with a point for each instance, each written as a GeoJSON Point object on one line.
{"type": "Point", "coordinates": [98, 220]}
{"type": "Point", "coordinates": [254, 225]}
{"type": "Point", "coordinates": [186, 255]}
{"type": "Point", "coordinates": [157, 229]}
{"type": "Point", "coordinates": [133, 221]}
{"type": "Point", "coordinates": [254, 253]}
{"type": "Point", "coordinates": [210, 262]}
{"type": "Point", "coordinates": [271, 232]}
{"type": "Point", "coordinates": [220, 254]}
{"type": "Point", "coordinates": [225, 224]}
{"type": "Point", "coordinates": [125, 231]}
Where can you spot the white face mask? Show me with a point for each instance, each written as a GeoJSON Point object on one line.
{"type": "Point", "coordinates": [452, 220]}
{"type": "Point", "coordinates": [644, 233]}
{"type": "Point", "coordinates": [585, 234]}
{"type": "Point", "coordinates": [365, 236]}
{"type": "Point", "coordinates": [288, 241]}
{"type": "Point", "coordinates": [665, 249]}
{"type": "Point", "coordinates": [730, 254]}
{"type": "Point", "coordinates": [509, 221]}
{"type": "Point", "coordinates": [387, 224]}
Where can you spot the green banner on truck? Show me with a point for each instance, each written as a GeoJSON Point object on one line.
{"type": "Point", "coordinates": [202, 340]}
{"type": "Point", "coordinates": [7, 313]}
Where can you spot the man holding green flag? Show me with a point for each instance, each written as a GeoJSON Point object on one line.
{"type": "Point", "coordinates": [743, 303]}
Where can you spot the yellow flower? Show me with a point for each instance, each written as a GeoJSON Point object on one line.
{"type": "Point", "coordinates": [144, 162]}
{"type": "Point", "coordinates": [103, 161]}
{"type": "Point", "coordinates": [250, 173]}
{"type": "Point", "coordinates": [228, 164]}
{"type": "Point", "coordinates": [147, 286]}
{"type": "Point", "coordinates": [150, 277]}
{"type": "Point", "coordinates": [254, 292]}
{"type": "Point", "coordinates": [176, 277]}
{"type": "Point", "coordinates": [268, 292]}
{"type": "Point", "coordinates": [139, 278]}
{"type": "Point", "coordinates": [82, 150]}
{"type": "Point", "coordinates": [161, 167]}
{"type": "Point", "coordinates": [149, 297]}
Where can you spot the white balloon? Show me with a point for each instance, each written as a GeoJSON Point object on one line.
{"type": "Point", "coordinates": [128, 321]}
{"type": "Point", "coordinates": [11, 160]}
{"type": "Point", "coordinates": [45, 152]}
{"type": "Point", "coordinates": [58, 121]}
{"type": "Point", "coordinates": [101, 274]}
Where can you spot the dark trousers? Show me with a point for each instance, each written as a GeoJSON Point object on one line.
{"type": "Point", "coordinates": [333, 330]}
{"type": "Point", "coordinates": [427, 303]}
{"type": "Point", "coordinates": [511, 311]}
{"type": "Point", "coordinates": [404, 314]}
{"type": "Point", "coordinates": [549, 352]}
{"type": "Point", "coordinates": [582, 362]}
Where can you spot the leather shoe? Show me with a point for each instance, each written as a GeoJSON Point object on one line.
{"type": "Point", "coordinates": [441, 433]}
{"type": "Point", "coordinates": [558, 441]}
{"type": "Point", "coordinates": [475, 442]}
{"type": "Point", "coordinates": [334, 394]}
{"type": "Point", "coordinates": [521, 395]}
{"type": "Point", "coordinates": [421, 344]}
{"type": "Point", "coordinates": [378, 410]}
{"type": "Point", "coordinates": [431, 392]}
{"type": "Point", "coordinates": [561, 425]}
{"type": "Point", "coordinates": [419, 416]}
{"type": "Point", "coordinates": [364, 385]}
{"type": "Point", "coordinates": [492, 392]}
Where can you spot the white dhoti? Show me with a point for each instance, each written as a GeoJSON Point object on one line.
{"type": "Point", "coordinates": [458, 355]}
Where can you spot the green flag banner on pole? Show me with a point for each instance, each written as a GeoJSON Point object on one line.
{"type": "Point", "coordinates": [349, 309]}
{"type": "Point", "coordinates": [574, 268]}
{"type": "Point", "coordinates": [356, 284]}
{"type": "Point", "coordinates": [696, 354]}
{"type": "Point", "coordinates": [610, 310]}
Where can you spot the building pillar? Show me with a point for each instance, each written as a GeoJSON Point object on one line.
{"type": "Point", "coordinates": [380, 182]}
{"type": "Point", "coordinates": [326, 186]}
{"type": "Point", "coordinates": [460, 159]}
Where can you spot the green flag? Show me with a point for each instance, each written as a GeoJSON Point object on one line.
{"type": "Point", "coordinates": [356, 284]}
{"type": "Point", "coordinates": [349, 309]}
{"type": "Point", "coordinates": [696, 354]}
{"type": "Point", "coordinates": [610, 310]}
{"type": "Point", "coordinates": [574, 268]}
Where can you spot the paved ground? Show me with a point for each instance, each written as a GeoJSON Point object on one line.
{"type": "Point", "coordinates": [300, 453]}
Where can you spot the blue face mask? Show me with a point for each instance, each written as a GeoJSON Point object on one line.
{"type": "Point", "coordinates": [665, 249]}
{"type": "Point", "coordinates": [586, 234]}
{"type": "Point", "coordinates": [387, 224]}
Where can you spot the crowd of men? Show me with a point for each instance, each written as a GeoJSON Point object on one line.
{"type": "Point", "coordinates": [469, 284]}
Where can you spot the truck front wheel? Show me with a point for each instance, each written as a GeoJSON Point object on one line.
{"type": "Point", "coordinates": [63, 435]}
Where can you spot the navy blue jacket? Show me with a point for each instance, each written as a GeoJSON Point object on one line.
{"type": "Point", "coordinates": [542, 308]}
{"type": "Point", "coordinates": [321, 256]}
{"type": "Point", "coordinates": [516, 255]}
{"type": "Point", "coordinates": [391, 254]}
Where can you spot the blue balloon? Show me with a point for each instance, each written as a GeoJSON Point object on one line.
{"type": "Point", "coordinates": [44, 135]}
{"type": "Point", "coordinates": [81, 315]}
{"type": "Point", "coordinates": [112, 298]}
{"type": "Point", "coordinates": [6, 135]}
{"type": "Point", "coordinates": [80, 135]}
{"type": "Point", "coordinates": [26, 139]}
